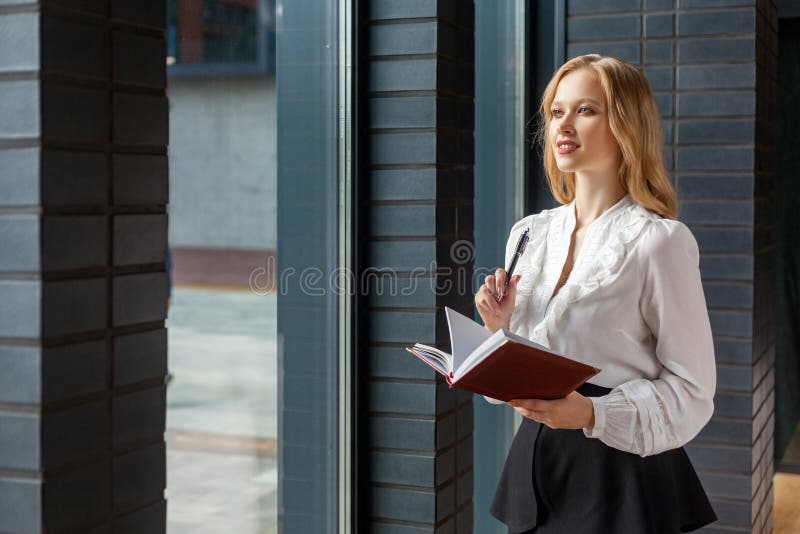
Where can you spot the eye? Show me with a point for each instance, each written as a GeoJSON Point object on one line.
{"type": "Point", "coordinates": [555, 112]}
{"type": "Point", "coordinates": [587, 109]}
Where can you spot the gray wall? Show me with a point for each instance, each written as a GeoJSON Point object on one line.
{"type": "Point", "coordinates": [83, 189]}
{"type": "Point", "coordinates": [712, 65]}
{"type": "Point", "coordinates": [222, 158]}
{"type": "Point", "coordinates": [419, 168]}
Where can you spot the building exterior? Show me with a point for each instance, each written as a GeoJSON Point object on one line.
{"type": "Point", "coordinates": [391, 143]}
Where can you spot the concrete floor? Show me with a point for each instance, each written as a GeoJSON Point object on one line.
{"type": "Point", "coordinates": [786, 518]}
{"type": "Point", "coordinates": [222, 473]}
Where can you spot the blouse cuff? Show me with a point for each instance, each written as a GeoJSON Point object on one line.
{"type": "Point", "coordinates": [614, 421]}
{"type": "Point", "coordinates": [492, 401]}
{"type": "Point", "coordinates": [599, 418]}
{"type": "Point", "coordinates": [655, 431]}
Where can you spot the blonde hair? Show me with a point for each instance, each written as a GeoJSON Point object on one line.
{"type": "Point", "coordinates": [634, 122]}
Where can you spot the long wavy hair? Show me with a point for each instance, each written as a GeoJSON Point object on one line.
{"type": "Point", "coordinates": [634, 122]}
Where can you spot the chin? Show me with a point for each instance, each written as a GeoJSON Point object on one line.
{"type": "Point", "coordinates": [566, 164]}
{"type": "Point", "coordinates": [566, 168]}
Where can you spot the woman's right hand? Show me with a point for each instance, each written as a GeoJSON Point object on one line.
{"type": "Point", "coordinates": [496, 315]}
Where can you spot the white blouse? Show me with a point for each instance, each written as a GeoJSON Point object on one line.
{"type": "Point", "coordinates": [632, 306]}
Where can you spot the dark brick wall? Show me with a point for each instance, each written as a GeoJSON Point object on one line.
{"type": "Point", "coordinates": [419, 169]}
{"type": "Point", "coordinates": [83, 189]}
{"type": "Point", "coordinates": [712, 65]}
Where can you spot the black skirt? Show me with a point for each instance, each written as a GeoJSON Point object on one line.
{"type": "Point", "coordinates": [560, 481]}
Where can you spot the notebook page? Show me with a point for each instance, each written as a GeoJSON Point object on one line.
{"type": "Point", "coordinates": [465, 335]}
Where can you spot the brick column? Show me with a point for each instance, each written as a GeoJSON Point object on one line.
{"type": "Point", "coordinates": [83, 189]}
{"type": "Point", "coordinates": [713, 67]}
{"type": "Point", "coordinates": [418, 212]}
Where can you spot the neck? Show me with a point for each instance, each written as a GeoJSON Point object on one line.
{"type": "Point", "coordinates": [593, 197]}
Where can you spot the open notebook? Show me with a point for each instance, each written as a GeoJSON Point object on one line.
{"type": "Point", "coordinates": [502, 365]}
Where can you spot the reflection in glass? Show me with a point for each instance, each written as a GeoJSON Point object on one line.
{"type": "Point", "coordinates": [222, 399]}
{"type": "Point", "coordinates": [220, 36]}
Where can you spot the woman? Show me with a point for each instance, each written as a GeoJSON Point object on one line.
{"type": "Point", "coordinates": [610, 278]}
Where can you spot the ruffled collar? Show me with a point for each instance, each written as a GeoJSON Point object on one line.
{"type": "Point", "coordinates": [604, 246]}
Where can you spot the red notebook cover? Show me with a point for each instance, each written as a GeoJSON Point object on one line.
{"type": "Point", "coordinates": [517, 371]}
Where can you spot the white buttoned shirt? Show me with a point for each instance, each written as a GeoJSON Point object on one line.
{"type": "Point", "coordinates": [632, 306]}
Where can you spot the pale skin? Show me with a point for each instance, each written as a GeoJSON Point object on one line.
{"type": "Point", "coordinates": [579, 116]}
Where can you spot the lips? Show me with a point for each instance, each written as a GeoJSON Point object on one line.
{"type": "Point", "coordinates": [566, 147]}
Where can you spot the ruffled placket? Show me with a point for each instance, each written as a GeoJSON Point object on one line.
{"type": "Point", "coordinates": [605, 245]}
{"type": "Point", "coordinates": [530, 271]}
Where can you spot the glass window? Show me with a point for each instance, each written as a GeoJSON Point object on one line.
{"type": "Point", "coordinates": [253, 391]}
{"type": "Point", "coordinates": [518, 45]}
{"type": "Point", "coordinates": [500, 151]}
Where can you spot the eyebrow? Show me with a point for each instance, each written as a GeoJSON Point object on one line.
{"type": "Point", "coordinates": [585, 99]}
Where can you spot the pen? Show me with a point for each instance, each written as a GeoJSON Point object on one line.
{"type": "Point", "coordinates": [523, 240]}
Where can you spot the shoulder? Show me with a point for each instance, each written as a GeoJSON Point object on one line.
{"type": "Point", "coordinates": [537, 224]}
{"type": "Point", "coordinates": [536, 221]}
{"type": "Point", "coordinates": [667, 238]}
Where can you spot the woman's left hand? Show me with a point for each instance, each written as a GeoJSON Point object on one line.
{"type": "Point", "coordinates": [572, 412]}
